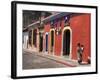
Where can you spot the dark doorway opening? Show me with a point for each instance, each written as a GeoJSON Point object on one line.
{"type": "Point", "coordinates": [66, 43]}
{"type": "Point", "coordinates": [52, 40]}
{"type": "Point", "coordinates": [34, 37]}
{"type": "Point", "coordinates": [41, 42]}
{"type": "Point", "coordinates": [46, 42]}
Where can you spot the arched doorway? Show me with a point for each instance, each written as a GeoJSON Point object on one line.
{"type": "Point", "coordinates": [66, 43]}
{"type": "Point", "coordinates": [35, 37]}
{"type": "Point", "coordinates": [52, 40]}
{"type": "Point", "coordinates": [40, 42]}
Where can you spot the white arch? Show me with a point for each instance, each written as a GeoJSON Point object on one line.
{"type": "Point", "coordinates": [67, 28]}
{"type": "Point", "coordinates": [54, 40]}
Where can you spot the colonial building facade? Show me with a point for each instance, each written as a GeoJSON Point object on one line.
{"type": "Point", "coordinates": [59, 34]}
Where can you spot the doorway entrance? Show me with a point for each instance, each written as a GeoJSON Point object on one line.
{"type": "Point", "coordinates": [52, 40]}
{"type": "Point", "coordinates": [40, 42]}
{"type": "Point", "coordinates": [66, 43]}
{"type": "Point", "coordinates": [35, 37]}
{"type": "Point", "coordinates": [46, 42]}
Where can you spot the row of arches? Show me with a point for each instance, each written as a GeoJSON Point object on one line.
{"type": "Point", "coordinates": [66, 41]}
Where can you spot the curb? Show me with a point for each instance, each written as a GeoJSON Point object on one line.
{"type": "Point", "coordinates": [52, 58]}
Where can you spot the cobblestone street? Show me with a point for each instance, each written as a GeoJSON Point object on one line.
{"type": "Point", "coordinates": [34, 61]}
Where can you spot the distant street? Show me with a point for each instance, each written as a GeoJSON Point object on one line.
{"type": "Point", "coordinates": [34, 61]}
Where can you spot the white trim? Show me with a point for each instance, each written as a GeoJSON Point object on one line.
{"type": "Point", "coordinates": [67, 28]}
{"type": "Point", "coordinates": [25, 38]}
{"type": "Point", "coordinates": [54, 41]}
{"type": "Point", "coordinates": [70, 70]}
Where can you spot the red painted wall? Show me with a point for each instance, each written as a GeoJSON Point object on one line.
{"type": "Point", "coordinates": [47, 29]}
{"type": "Point", "coordinates": [58, 38]}
{"type": "Point", "coordinates": [58, 45]}
{"type": "Point", "coordinates": [80, 25]}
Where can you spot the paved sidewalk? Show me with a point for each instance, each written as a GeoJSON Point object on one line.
{"type": "Point", "coordinates": [66, 62]}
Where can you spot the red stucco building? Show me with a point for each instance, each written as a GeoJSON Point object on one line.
{"type": "Point", "coordinates": [59, 34]}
